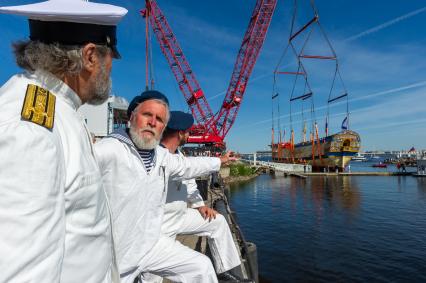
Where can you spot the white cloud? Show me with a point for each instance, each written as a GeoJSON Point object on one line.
{"type": "Point", "coordinates": [386, 24]}
{"type": "Point", "coordinates": [407, 98]}
{"type": "Point", "coordinates": [251, 80]}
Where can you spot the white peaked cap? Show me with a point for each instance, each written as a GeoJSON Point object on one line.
{"type": "Point", "coordinates": [76, 11]}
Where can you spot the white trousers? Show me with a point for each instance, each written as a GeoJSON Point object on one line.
{"type": "Point", "coordinates": [174, 261]}
{"type": "Point", "coordinates": [178, 263]}
{"type": "Point", "coordinates": [221, 243]}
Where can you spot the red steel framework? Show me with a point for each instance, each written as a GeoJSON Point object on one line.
{"type": "Point", "coordinates": [180, 67]}
{"type": "Point", "coordinates": [210, 128]}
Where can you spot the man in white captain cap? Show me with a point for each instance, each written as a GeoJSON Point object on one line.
{"type": "Point", "coordinates": [55, 223]}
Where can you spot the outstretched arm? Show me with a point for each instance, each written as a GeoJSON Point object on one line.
{"type": "Point", "coordinates": [185, 168]}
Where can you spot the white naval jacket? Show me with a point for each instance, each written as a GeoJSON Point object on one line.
{"type": "Point", "coordinates": [137, 198]}
{"type": "Point", "coordinates": [180, 195]}
{"type": "Point", "coordinates": [54, 216]}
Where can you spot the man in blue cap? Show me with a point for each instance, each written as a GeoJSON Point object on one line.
{"type": "Point", "coordinates": [55, 223]}
{"type": "Point", "coordinates": [135, 171]}
{"type": "Point", "coordinates": [186, 213]}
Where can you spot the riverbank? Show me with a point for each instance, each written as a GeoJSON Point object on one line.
{"type": "Point", "coordinates": [238, 179]}
{"type": "Point", "coordinates": [238, 172]}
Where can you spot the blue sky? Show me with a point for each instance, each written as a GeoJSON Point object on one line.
{"type": "Point", "coordinates": [381, 46]}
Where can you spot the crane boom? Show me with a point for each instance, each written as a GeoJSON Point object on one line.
{"type": "Point", "coordinates": [246, 59]}
{"type": "Point", "coordinates": [210, 128]}
{"type": "Point", "coordinates": [179, 65]}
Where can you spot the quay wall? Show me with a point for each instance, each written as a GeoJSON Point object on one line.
{"type": "Point", "coordinates": [282, 167]}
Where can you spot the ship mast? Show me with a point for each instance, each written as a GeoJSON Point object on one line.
{"type": "Point", "coordinates": [299, 53]}
{"type": "Point", "coordinates": [297, 47]}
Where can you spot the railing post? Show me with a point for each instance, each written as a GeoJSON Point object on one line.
{"type": "Point", "coordinates": [254, 158]}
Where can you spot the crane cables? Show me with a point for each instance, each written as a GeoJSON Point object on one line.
{"type": "Point", "coordinates": [149, 66]}
{"type": "Point", "coordinates": [298, 42]}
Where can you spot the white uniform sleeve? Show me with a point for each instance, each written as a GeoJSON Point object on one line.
{"type": "Point", "coordinates": [194, 197]}
{"type": "Point", "coordinates": [183, 168]}
{"type": "Point", "coordinates": [32, 209]}
{"type": "Point", "coordinates": [104, 154]}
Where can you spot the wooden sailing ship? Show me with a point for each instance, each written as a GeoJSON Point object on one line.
{"type": "Point", "coordinates": [334, 151]}
{"type": "Point", "coordinates": [331, 152]}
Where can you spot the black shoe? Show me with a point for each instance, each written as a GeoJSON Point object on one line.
{"type": "Point", "coordinates": [228, 277]}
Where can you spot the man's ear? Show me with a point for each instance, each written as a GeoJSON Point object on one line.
{"type": "Point", "coordinates": [90, 57]}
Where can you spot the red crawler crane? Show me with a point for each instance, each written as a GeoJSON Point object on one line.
{"type": "Point", "coordinates": [212, 129]}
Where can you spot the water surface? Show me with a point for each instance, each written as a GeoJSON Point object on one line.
{"type": "Point", "coordinates": [335, 229]}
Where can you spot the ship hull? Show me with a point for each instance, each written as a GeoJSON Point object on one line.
{"type": "Point", "coordinates": [330, 153]}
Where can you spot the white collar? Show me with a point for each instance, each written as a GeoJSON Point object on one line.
{"type": "Point", "coordinates": [57, 87]}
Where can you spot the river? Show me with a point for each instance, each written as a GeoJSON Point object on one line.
{"type": "Point", "coordinates": [335, 229]}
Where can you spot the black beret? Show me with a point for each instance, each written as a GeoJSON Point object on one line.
{"type": "Point", "coordinates": [146, 95]}
{"type": "Point", "coordinates": [180, 121]}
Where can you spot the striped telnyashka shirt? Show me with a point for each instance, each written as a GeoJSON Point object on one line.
{"type": "Point", "coordinates": [148, 159]}
{"type": "Point", "coordinates": [148, 156]}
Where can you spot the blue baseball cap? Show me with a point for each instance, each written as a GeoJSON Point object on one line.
{"type": "Point", "coordinates": [146, 95]}
{"type": "Point", "coordinates": [180, 121]}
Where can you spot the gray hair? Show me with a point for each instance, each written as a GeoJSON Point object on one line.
{"type": "Point", "coordinates": [55, 58]}
{"type": "Point", "coordinates": [160, 101]}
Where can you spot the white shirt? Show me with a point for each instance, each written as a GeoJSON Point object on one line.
{"type": "Point", "coordinates": [180, 195]}
{"type": "Point", "coordinates": [137, 198]}
{"type": "Point", "coordinates": [54, 216]}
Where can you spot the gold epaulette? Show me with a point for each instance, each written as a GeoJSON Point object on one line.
{"type": "Point", "coordinates": [39, 106]}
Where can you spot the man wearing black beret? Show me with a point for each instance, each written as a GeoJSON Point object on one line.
{"type": "Point", "coordinates": [135, 171]}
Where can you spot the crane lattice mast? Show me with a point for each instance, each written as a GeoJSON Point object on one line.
{"type": "Point", "coordinates": [210, 128]}
{"type": "Point", "coordinates": [246, 59]}
{"type": "Point", "coordinates": [179, 65]}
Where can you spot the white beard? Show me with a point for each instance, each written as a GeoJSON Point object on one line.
{"type": "Point", "coordinates": [144, 143]}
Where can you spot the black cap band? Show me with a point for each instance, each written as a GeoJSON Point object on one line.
{"type": "Point", "coordinates": [69, 33]}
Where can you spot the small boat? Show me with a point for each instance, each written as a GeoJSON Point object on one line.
{"type": "Point", "coordinates": [359, 158]}
{"type": "Point", "coordinates": [379, 165]}
{"type": "Point", "coordinates": [421, 166]}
